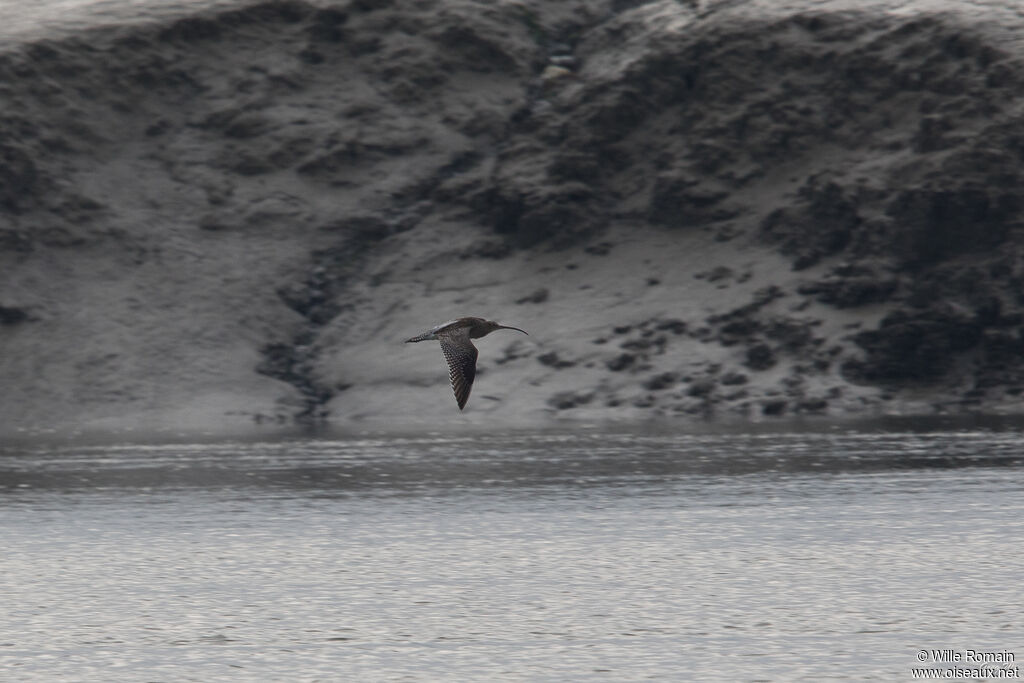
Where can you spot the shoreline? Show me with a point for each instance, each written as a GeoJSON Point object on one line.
{"type": "Point", "coordinates": [88, 436]}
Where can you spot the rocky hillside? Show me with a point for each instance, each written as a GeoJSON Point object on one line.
{"type": "Point", "coordinates": [747, 209]}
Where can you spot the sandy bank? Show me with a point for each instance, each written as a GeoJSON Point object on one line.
{"type": "Point", "coordinates": [736, 209]}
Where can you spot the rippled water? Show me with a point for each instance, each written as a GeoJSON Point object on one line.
{"type": "Point", "coordinates": [773, 556]}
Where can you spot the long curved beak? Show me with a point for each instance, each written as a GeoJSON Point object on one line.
{"type": "Point", "coordinates": [508, 327]}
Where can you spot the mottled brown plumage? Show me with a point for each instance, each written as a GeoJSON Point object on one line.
{"type": "Point", "coordinates": [455, 336]}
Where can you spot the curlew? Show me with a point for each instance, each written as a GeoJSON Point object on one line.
{"type": "Point", "coordinates": [455, 336]}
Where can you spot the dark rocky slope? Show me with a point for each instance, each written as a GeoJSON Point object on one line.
{"type": "Point", "coordinates": [715, 209]}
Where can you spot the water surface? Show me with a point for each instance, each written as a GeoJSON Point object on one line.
{"type": "Point", "coordinates": [771, 556]}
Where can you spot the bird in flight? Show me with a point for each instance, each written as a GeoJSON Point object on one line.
{"type": "Point", "coordinates": [455, 336]}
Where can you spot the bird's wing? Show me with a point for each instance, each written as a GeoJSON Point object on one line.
{"type": "Point", "coordinates": [461, 356]}
{"type": "Point", "coordinates": [437, 329]}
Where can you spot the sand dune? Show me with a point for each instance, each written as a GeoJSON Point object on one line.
{"type": "Point", "coordinates": [706, 209]}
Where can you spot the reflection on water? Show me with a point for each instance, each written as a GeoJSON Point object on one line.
{"type": "Point", "coordinates": [770, 556]}
{"type": "Point", "coordinates": [437, 463]}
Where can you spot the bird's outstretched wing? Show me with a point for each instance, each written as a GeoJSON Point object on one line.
{"type": "Point", "coordinates": [461, 356]}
